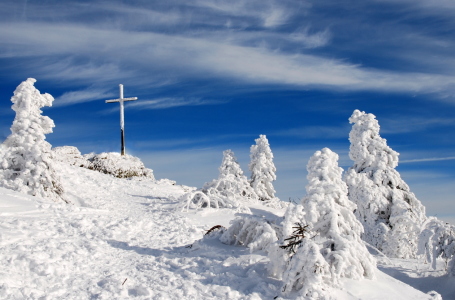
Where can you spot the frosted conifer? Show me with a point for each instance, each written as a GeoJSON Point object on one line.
{"type": "Point", "coordinates": [228, 191]}
{"type": "Point", "coordinates": [231, 182]}
{"type": "Point", "coordinates": [332, 243]}
{"type": "Point", "coordinates": [388, 210]}
{"type": "Point", "coordinates": [437, 240]}
{"type": "Point", "coordinates": [26, 164]}
{"type": "Point", "coordinates": [262, 169]}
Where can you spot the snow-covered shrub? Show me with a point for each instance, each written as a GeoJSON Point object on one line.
{"type": "Point", "coordinates": [198, 199]}
{"type": "Point", "coordinates": [121, 166]}
{"type": "Point", "coordinates": [307, 272]}
{"type": "Point", "coordinates": [388, 210]}
{"type": "Point", "coordinates": [165, 181]}
{"type": "Point", "coordinates": [437, 240]}
{"type": "Point", "coordinates": [230, 190]}
{"type": "Point", "coordinates": [250, 231]}
{"type": "Point", "coordinates": [26, 162]}
{"type": "Point", "coordinates": [70, 155]}
{"type": "Point", "coordinates": [332, 247]}
{"type": "Point", "coordinates": [262, 169]}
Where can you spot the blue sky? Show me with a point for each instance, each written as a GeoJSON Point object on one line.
{"type": "Point", "coordinates": [213, 75]}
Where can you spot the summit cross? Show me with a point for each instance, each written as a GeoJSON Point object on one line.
{"type": "Point", "coordinates": [122, 119]}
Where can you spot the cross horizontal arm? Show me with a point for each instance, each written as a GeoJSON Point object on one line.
{"type": "Point", "coordinates": [123, 99]}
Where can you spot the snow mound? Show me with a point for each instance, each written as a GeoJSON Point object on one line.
{"type": "Point", "coordinates": [120, 166]}
{"type": "Point", "coordinates": [70, 155]}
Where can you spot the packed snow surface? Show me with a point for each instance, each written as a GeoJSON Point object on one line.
{"type": "Point", "coordinates": [129, 239]}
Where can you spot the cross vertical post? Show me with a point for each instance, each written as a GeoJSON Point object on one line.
{"type": "Point", "coordinates": [121, 100]}
{"type": "Point", "coordinates": [122, 121]}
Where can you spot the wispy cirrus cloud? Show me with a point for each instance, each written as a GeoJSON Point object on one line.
{"type": "Point", "coordinates": [141, 52]}
{"type": "Point", "coordinates": [197, 56]}
{"type": "Point", "coordinates": [86, 95]}
{"type": "Point", "coordinates": [427, 159]}
{"type": "Point", "coordinates": [268, 14]}
{"type": "Point", "coordinates": [163, 103]}
{"type": "Point", "coordinates": [440, 6]}
{"type": "Point", "coordinates": [167, 102]}
{"type": "Point", "coordinates": [407, 124]}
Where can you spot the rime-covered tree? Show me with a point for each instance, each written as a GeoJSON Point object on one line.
{"type": "Point", "coordinates": [262, 169]}
{"type": "Point", "coordinates": [437, 240]}
{"type": "Point", "coordinates": [26, 163]}
{"type": "Point", "coordinates": [230, 190]}
{"type": "Point", "coordinates": [332, 230]}
{"type": "Point", "coordinates": [388, 210]}
{"type": "Point", "coordinates": [231, 182]}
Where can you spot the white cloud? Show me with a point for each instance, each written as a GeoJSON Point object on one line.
{"type": "Point", "coordinates": [427, 159]}
{"type": "Point", "coordinates": [440, 6]}
{"type": "Point", "coordinates": [82, 72]}
{"type": "Point", "coordinates": [167, 102]}
{"type": "Point", "coordinates": [275, 17]}
{"type": "Point", "coordinates": [86, 95]}
{"type": "Point", "coordinates": [268, 13]}
{"type": "Point", "coordinates": [252, 56]}
{"type": "Point", "coordinates": [162, 103]}
{"type": "Point", "coordinates": [407, 124]}
{"type": "Point", "coordinates": [315, 40]}
{"type": "Point", "coordinates": [151, 57]}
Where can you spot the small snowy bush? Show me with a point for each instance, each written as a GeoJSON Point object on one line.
{"type": "Point", "coordinates": [388, 210]}
{"type": "Point", "coordinates": [437, 240]}
{"type": "Point", "coordinates": [198, 199]}
{"type": "Point", "coordinates": [262, 169]}
{"type": "Point", "coordinates": [250, 231]}
{"type": "Point", "coordinates": [121, 166]}
{"type": "Point", "coordinates": [307, 272]}
{"type": "Point", "coordinates": [70, 155]}
{"type": "Point", "coordinates": [26, 160]}
{"type": "Point", "coordinates": [332, 247]}
{"type": "Point", "coordinates": [230, 190]}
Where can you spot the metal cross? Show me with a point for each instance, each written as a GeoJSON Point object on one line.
{"type": "Point", "coordinates": [122, 120]}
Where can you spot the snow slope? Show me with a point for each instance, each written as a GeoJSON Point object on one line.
{"type": "Point", "coordinates": [128, 239]}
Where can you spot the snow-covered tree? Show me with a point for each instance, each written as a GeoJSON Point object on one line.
{"type": "Point", "coordinates": [231, 182]}
{"type": "Point", "coordinates": [26, 163]}
{"type": "Point", "coordinates": [262, 169]}
{"type": "Point", "coordinates": [437, 240]}
{"type": "Point", "coordinates": [388, 210]}
{"type": "Point", "coordinates": [307, 272]}
{"type": "Point", "coordinates": [230, 190]}
{"type": "Point", "coordinates": [332, 245]}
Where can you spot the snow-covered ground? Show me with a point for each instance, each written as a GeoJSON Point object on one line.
{"type": "Point", "coordinates": [123, 239]}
